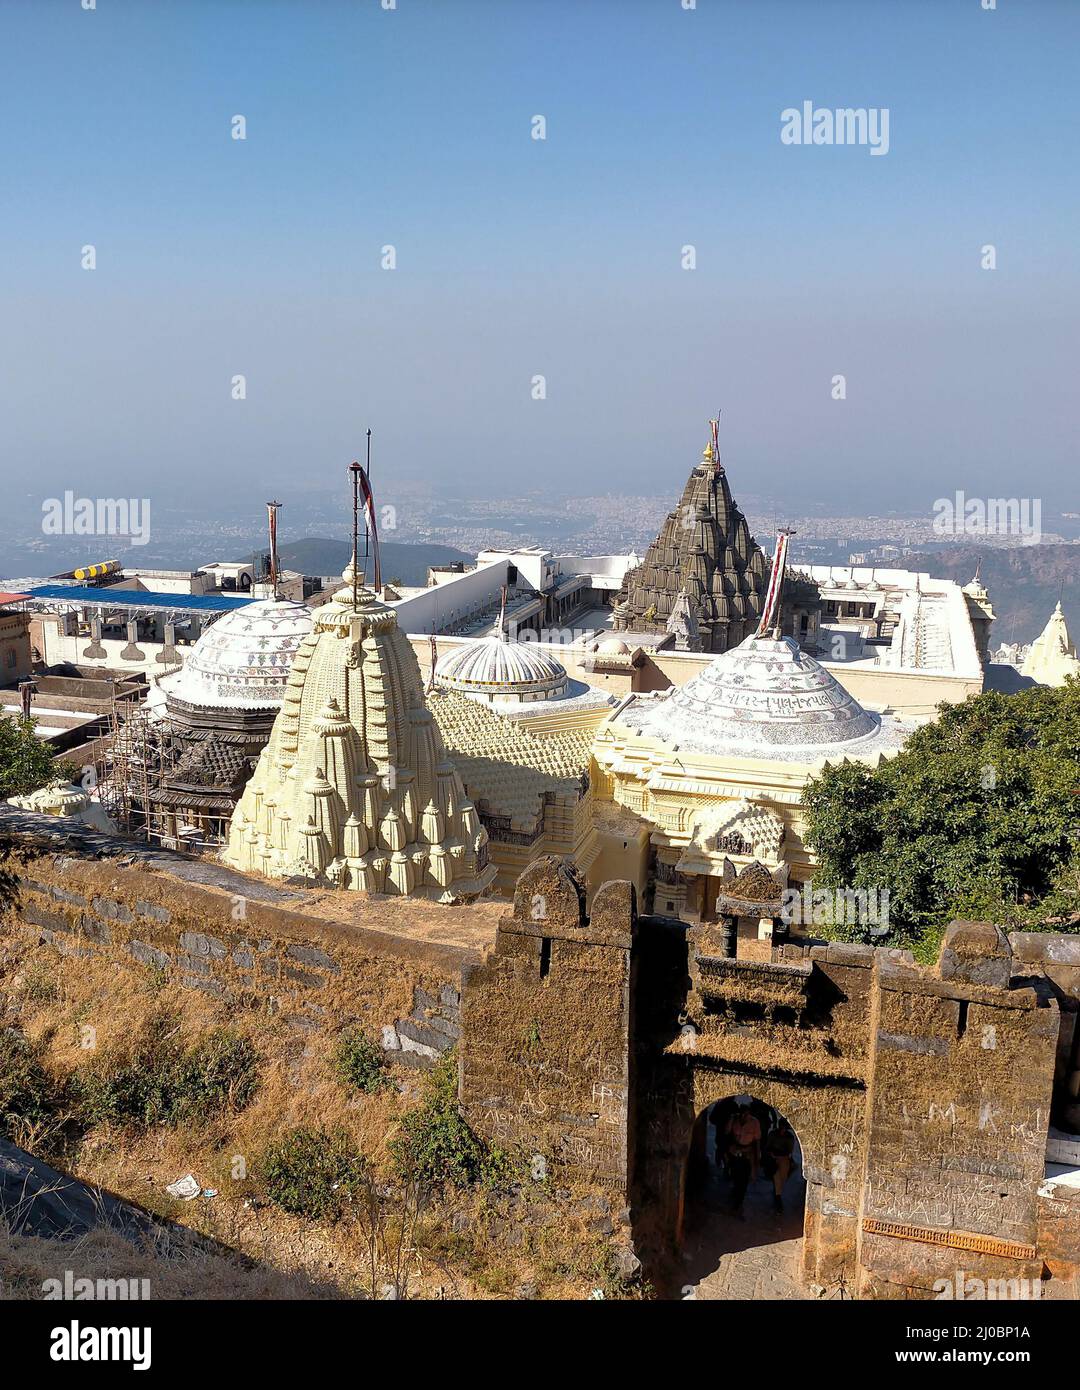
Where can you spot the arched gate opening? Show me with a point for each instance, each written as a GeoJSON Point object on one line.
{"type": "Point", "coordinates": [743, 1201]}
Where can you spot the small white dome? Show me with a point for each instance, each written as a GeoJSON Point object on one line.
{"type": "Point", "coordinates": [497, 669]}
{"type": "Point", "coordinates": [614, 646]}
{"type": "Point", "coordinates": [243, 660]}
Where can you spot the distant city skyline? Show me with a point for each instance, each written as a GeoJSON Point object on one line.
{"type": "Point", "coordinates": [518, 258]}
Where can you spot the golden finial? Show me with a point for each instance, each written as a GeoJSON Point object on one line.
{"type": "Point", "coordinates": [707, 455]}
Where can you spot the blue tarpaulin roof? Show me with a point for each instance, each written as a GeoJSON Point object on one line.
{"type": "Point", "coordinates": [109, 597]}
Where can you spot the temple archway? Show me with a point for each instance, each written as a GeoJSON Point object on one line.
{"type": "Point", "coordinates": [742, 1203]}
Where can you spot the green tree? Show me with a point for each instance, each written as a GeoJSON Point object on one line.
{"type": "Point", "coordinates": [976, 817]}
{"type": "Point", "coordinates": [25, 760]}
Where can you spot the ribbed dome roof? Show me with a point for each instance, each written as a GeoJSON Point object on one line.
{"type": "Point", "coordinates": [763, 694]}
{"type": "Point", "coordinates": [499, 669]}
{"type": "Point", "coordinates": [243, 660]}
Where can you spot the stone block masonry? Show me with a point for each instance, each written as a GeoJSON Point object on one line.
{"type": "Point", "coordinates": [545, 1050]}
{"type": "Point", "coordinates": [958, 1115]}
{"type": "Point", "coordinates": [279, 956]}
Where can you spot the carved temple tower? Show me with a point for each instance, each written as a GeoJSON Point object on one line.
{"type": "Point", "coordinates": [355, 787]}
{"type": "Point", "coordinates": [704, 576]}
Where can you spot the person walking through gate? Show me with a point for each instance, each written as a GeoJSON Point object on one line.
{"type": "Point", "coordinates": [779, 1149]}
{"type": "Point", "coordinates": [743, 1153]}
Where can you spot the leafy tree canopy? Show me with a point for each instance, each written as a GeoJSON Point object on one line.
{"type": "Point", "coordinates": [26, 762]}
{"type": "Point", "coordinates": [976, 818]}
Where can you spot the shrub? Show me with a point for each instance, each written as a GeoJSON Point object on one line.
{"type": "Point", "coordinates": [435, 1145]}
{"type": "Point", "coordinates": [26, 761]}
{"type": "Point", "coordinates": [359, 1062]}
{"type": "Point", "coordinates": [313, 1172]}
{"type": "Point", "coordinates": [156, 1080]}
{"type": "Point", "coordinates": [974, 818]}
{"type": "Point", "coordinates": [29, 1101]}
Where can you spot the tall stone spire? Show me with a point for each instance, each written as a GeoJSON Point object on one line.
{"type": "Point", "coordinates": [704, 566]}
{"type": "Point", "coordinates": [355, 787]}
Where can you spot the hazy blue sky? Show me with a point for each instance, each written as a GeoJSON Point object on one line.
{"type": "Point", "coordinates": [519, 257]}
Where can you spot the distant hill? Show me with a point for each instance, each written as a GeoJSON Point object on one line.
{"type": "Point", "coordinates": [1024, 583]}
{"type": "Point", "coordinates": [407, 563]}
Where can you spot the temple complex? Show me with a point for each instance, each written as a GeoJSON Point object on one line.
{"type": "Point", "coordinates": [649, 972]}
{"type": "Point", "coordinates": [696, 786]}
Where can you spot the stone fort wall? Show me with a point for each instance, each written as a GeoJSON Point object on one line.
{"type": "Point", "coordinates": [247, 943]}
{"type": "Point", "coordinates": [922, 1099]}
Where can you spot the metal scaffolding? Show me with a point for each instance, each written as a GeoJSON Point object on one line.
{"type": "Point", "coordinates": [141, 752]}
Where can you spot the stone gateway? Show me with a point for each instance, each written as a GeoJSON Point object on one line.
{"type": "Point", "coordinates": [922, 1098]}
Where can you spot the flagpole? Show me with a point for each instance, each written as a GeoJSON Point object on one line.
{"type": "Point", "coordinates": [367, 519]}
{"type": "Point", "coordinates": [354, 469]}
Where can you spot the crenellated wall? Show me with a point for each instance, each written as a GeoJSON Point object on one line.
{"type": "Point", "coordinates": [921, 1098]}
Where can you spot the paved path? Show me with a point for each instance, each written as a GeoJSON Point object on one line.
{"type": "Point", "coordinates": [756, 1257]}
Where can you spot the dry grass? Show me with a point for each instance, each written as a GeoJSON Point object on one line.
{"type": "Point", "coordinates": [474, 1244]}
{"type": "Point", "coordinates": [173, 1266]}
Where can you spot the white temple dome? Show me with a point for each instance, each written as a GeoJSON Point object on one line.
{"type": "Point", "coordinates": [243, 660]}
{"type": "Point", "coordinates": [764, 698]}
{"type": "Point", "coordinates": [497, 669]}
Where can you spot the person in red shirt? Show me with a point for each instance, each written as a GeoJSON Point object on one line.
{"type": "Point", "coordinates": [743, 1153]}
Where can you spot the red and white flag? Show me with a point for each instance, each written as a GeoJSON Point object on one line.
{"type": "Point", "coordinates": [770, 614]}
{"type": "Point", "coordinates": [369, 512]}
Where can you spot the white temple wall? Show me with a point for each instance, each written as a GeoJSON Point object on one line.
{"type": "Point", "coordinates": [424, 612]}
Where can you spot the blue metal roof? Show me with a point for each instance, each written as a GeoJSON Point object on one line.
{"type": "Point", "coordinates": [107, 597]}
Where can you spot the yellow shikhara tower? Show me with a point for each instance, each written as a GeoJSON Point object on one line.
{"type": "Point", "coordinates": [355, 787]}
